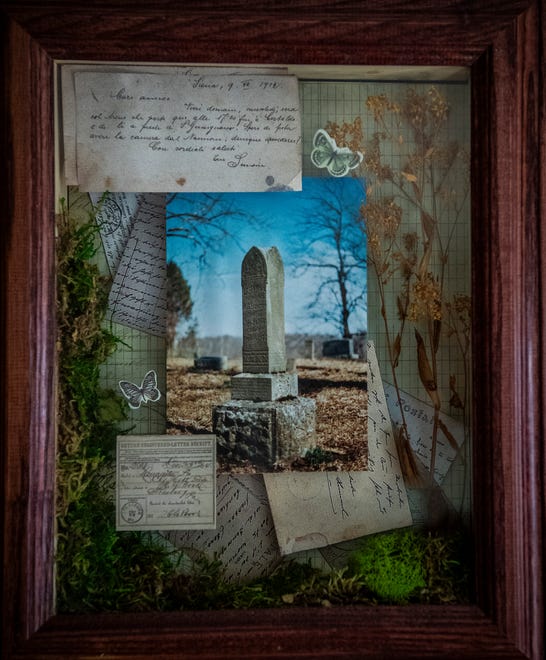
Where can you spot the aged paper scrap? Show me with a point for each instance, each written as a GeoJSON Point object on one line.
{"type": "Point", "coordinates": [316, 509]}
{"type": "Point", "coordinates": [139, 132]}
{"type": "Point", "coordinates": [138, 298]}
{"type": "Point", "coordinates": [138, 351]}
{"type": "Point", "coordinates": [419, 418]}
{"type": "Point", "coordinates": [115, 218]}
{"type": "Point", "coordinates": [68, 104]}
{"type": "Point", "coordinates": [244, 539]}
{"type": "Point", "coordinates": [165, 482]}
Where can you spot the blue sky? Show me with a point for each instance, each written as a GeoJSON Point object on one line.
{"type": "Point", "coordinates": [282, 219]}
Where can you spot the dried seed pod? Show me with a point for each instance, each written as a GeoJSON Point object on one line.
{"type": "Point", "coordinates": [425, 371]}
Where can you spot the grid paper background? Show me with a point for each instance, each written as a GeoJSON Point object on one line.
{"type": "Point", "coordinates": [327, 101]}
{"type": "Point", "coordinates": [137, 353]}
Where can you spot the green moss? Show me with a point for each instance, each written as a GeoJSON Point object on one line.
{"type": "Point", "coordinates": [413, 566]}
{"type": "Point", "coordinates": [391, 566]}
{"type": "Point", "coordinates": [110, 571]}
{"type": "Point", "coordinates": [97, 567]}
{"type": "Point", "coordinates": [318, 456]}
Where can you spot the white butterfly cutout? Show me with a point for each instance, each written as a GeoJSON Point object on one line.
{"type": "Point", "coordinates": [136, 395]}
{"type": "Point", "coordinates": [337, 160]}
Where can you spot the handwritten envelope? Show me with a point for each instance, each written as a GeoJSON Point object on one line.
{"type": "Point", "coordinates": [316, 509]}
{"type": "Point", "coordinates": [165, 482]}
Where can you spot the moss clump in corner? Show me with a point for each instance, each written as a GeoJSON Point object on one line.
{"type": "Point", "coordinates": [391, 566]}
{"type": "Point", "coordinates": [97, 568]}
{"type": "Point", "coordinates": [413, 566]}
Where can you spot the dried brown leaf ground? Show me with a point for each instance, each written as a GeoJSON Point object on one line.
{"type": "Point", "coordinates": [338, 387]}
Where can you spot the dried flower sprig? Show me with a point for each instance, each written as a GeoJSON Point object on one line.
{"type": "Point", "coordinates": [426, 300]}
{"type": "Point", "coordinates": [429, 181]}
{"type": "Point", "coordinates": [347, 134]}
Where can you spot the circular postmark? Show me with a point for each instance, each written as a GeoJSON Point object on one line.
{"type": "Point", "coordinates": [110, 215]}
{"type": "Point", "coordinates": [132, 512]}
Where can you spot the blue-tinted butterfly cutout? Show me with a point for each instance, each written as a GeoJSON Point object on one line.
{"type": "Point", "coordinates": [337, 160]}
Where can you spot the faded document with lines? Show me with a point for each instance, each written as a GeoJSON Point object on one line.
{"type": "Point", "coordinates": [244, 538]}
{"type": "Point", "coordinates": [165, 482]}
{"type": "Point", "coordinates": [419, 417]}
{"type": "Point", "coordinates": [196, 132]}
{"type": "Point", "coordinates": [115, 218]}
{"type": "Point", "coordinates": [137, 297]}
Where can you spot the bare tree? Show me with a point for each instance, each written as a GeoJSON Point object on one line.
{"type": "Point", "coordinates": [335, 246]}
{"type": "Point", "coordinates": [204, 220]}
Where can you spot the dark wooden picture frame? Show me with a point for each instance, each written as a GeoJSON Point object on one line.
{"type": "Point", "coordinates": [503, 43]}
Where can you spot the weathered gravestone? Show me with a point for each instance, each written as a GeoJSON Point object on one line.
{"type": "Point", "coordinates": [310, 349]}
{"type": "Point", "coordinates": [211, 362]}
{"type": "Point", "coordinates": [265, 421]}
{"type": "Point", "coordinates": [339, 348]}
{"type": "Point", "coordinates": [264, 376]}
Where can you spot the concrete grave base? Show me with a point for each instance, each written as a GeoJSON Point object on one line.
{"type": "Point", "coordinates": [264, 387]}
{"type": "Point", "coordinates": [264, 432]}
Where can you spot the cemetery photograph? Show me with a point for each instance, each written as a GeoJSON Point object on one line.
{"type": "Point", "coordinates": [266, 328]}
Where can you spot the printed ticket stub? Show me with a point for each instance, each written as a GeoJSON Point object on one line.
{"type": "Point", "coordinates": [165, 482]}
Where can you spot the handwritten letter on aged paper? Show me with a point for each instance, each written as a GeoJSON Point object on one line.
{"type": "Point", "coordinates": [244, 538]}
{"type": "Point", "coordinates": [115, 219]}
{"type": "Point", "coordinates": [316, 509]}
{"type": "Point", "coordinates": [137, 298]}
{"type": "Point", "coordinates": [69, 106]}
{"type": "Point", "coordinates": [190, 132]}
{"type": "Point", "coordinates": [165, 482]}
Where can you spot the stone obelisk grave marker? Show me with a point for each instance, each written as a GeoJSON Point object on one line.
{"type": "Point", "coordinates": [266, 421]}
{"type": "Point", "coordinates": [264, 376]}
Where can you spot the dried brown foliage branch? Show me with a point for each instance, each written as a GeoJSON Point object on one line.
{"type": "Point", "coordinates": [417, 191]}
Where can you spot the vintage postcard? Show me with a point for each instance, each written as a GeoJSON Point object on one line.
{"type": "Point", "coordinates": [314, 510]}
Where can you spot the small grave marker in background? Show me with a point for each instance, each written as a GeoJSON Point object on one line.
{"type": "Point", "coordinates": [339, 348]}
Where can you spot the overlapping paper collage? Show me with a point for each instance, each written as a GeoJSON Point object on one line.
{"type": "Point", "coordinates": [260, 518]}
{"type": "Point", "coordinates": [257, 519]}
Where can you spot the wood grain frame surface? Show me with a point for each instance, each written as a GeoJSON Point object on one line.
{"type": "Point", "coordinates": [503, 43]}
